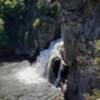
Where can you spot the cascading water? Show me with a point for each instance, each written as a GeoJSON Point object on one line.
{"type": "Point", "coordinates": [35, 73]}
{"type": "Point", "coordinates": [55, 52]}
{"type": "Point", "coordinates": [56, 82]}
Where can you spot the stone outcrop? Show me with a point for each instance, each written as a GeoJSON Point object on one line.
{"type": "Point", "coordinates": [81, 24]}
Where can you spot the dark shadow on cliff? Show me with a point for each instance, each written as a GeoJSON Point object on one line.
{"type": "Point", "coordinates": [15, 58]}
{"type": "Point", "coordinates": [10, 56]}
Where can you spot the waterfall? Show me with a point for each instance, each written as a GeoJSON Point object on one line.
{"type": "Point", "coordinates": [55, 52]}
{"type": "Point", "coordinates": [39, 71]}
{"type": "Point", "coordinates": [56, 82]}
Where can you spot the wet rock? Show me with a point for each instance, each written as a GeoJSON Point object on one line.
{"type": "Point", "coordinates": [54, 68]}
{"type": "Point", "coordinates": [80, 23]}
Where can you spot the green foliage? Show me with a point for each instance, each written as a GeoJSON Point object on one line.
{"type": "Point", "coordinates": [96, 60]}
{"type": "Point", "coordinates": [10, 3]}
{"type": "Point", "coordinates": [3, 39]}
{"type": "Point", "coordinates": [3, 36]}
{"type": "Point", "coordinates": [95, 96]}
{"type": "Point", "coordinates": [97, 46]}
{"type": "Point", "coordinates": [40, 3]}
{"type": "Point", "coordinates": [9, 21]}
{"type": "Point", "coordinates": [1, 24]}
{"type": "Point", "coordinates": [53, 9]}
{"type": "Point", "coordinates": [36, 23]}
{"type": "Point", "coordinates": [16, 18]}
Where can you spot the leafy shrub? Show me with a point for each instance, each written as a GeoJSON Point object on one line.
{"type": "Point", "coordinates": [1, 24]}
{"type": "Point", "coordinates": [36, 23]}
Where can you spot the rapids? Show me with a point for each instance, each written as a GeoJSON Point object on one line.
{"type": "Point", "coordinates": [39, 71]}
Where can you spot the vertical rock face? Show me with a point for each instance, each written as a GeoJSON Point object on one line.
{"type": "Point", "coordinates": [81, 24]}
{"type": "Point", "coordinates": [78, 26]}
{"type": "Point", "coordinates": [72, 40]}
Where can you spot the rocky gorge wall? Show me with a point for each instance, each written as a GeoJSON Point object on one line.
{"type": "Point", "coordinates": [81, 27]}
{"type": "Point", "coordinates": [80, 23]}
{"type": "Point", "coordinates": [29, 27]}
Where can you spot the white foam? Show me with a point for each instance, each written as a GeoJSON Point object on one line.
{"type": "Point", "coordinates": [34, 74]}
{"type": "Point", "coordinates": [29, 75]}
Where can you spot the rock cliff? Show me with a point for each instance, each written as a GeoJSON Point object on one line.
{"type": "Point", "coordinates": [81, 27]}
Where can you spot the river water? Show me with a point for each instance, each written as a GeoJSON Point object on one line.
{"type": "Point", "coordinates": [39, 71]}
